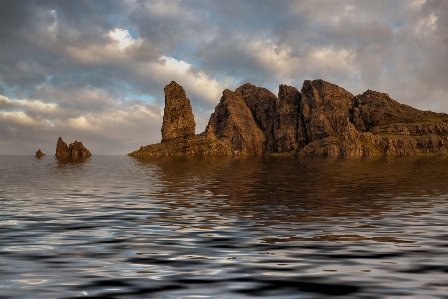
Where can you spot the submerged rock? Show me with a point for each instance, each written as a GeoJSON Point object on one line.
{"type": "Point", "coordinates": [321, 119]}
{"type": "Point", "coordinates": [39, 154]}
{"type": "Point", "coordinates": [75, 150]}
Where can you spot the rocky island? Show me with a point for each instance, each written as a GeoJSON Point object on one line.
{"type": "Point", "coordinates": [39, 154]}
{"type": "Point", "coordinates": [75, 150]}
{"type": "Point", "coordinates": [321, 119]}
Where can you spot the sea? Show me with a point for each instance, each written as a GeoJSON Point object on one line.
{"type": "Point", "coordinates": [218, 227]}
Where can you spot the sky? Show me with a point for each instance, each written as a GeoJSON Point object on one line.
{"type": "Point", "coordinates": [94, 71]}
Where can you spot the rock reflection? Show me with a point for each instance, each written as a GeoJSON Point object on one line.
{"type": "Point", "coordinates": [116, 227]}
{"type": "Point", "coordinates": [69, 163]}
{"type": "Point", "coordinates": [348, 195]}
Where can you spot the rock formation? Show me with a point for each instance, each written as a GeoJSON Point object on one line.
{"type": "Point", "coordinates": [178, 119]}
{"type": "Point", "coordinates": [73, 151]}
{"type": "Point", "coordinates": [321, 119]}
{"type": "Point", "coordinates": [234, 124]}
{"type": "Point", "coordinates": [39, 154]}
{"type": "Point", "coordinates": [289, 129]}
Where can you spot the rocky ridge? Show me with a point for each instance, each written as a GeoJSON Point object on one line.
{"type": "Point", "coordinates": [75, 150]}
{"type": "Point", "coordinates": [320, 119]}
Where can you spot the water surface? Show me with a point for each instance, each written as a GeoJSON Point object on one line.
{"type": "Point", "coordinates": [117, 227]}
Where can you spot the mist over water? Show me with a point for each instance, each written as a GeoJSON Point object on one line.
{"type": "Point", "coordinates": [117, 227]}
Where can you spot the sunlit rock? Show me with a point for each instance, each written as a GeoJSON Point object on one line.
{"type": "Point", "coordinates": [75, 150]}
{"type": "Point", "coordinates": [322, 119]}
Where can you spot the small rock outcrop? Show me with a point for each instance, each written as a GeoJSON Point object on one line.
{"type": "Point", "coordinates": [321, 119]}
{"type": "Point", "coordinates": [39, 154]}
{"type": "Point", "coordinates": [178, 118]}
{"type": "Point", "coordinates": [75, 150]}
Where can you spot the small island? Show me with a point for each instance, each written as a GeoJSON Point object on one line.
{"type": "Point", "coordinates": [39, 154]}
{"type": "Point", "coordinates": [74, 151]}
{"type": "Point", "coordinates": [322, 119]}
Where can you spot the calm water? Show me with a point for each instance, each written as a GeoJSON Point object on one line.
{"type": "Point", "coordinates": [116, 227]}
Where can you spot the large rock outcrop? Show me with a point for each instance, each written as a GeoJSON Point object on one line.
{"type": "Point", "coordinates": [321, 119]}
{"type": "Point", "coordinates": [75, 150]}
{"type": "Point", "coordinates": [178, 119]}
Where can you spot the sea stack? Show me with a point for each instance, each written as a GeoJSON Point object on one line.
{"type": "Point", "coordinates": [39, 154]}
{"type": "Point", "coordinates": [75, 150]}
{"type": "Point", "coordinates": [178, 118]}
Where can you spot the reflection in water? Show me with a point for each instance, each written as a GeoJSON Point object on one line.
{"type": "Point", "coordinates": [70, 163]}
{"type": "Point", "coordinates": [285, 191]}
{"type": "Point", "coordinates": [116, 227]}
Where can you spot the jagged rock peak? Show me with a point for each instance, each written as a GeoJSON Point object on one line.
{"type": "Point", "coordinates": [75, 150]}
{"type": "Point", "coordinates": [234, 125]}
{"type": "Point", "coordinates": [325, 109]}
{"type": "Point", "coordinates": [62, 150]}
{"type": "Point", "coordinates": [262, 104]}
{"type": "Point", "coordinates": [178, 118]}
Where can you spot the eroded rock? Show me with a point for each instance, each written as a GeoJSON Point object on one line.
{"type": "Point", "coordinates": [75, 150]}
{"type": "Point", "coordinates": [178, 119]}
{"type": "Point", "coordinates": [321, 119]}
{"type": "Point", "coordinates": [289, 129]}
{"type": "Point", "coordinates": [39, 154]}
{"type": "Point", "coordinates": [261, 103]}
{"type": "Point", "coordinates": [233, 123]}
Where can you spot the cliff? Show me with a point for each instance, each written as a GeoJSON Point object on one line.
{"type": "Point", "coordinates": [321, 119]}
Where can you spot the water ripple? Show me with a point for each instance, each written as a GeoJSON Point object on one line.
{"type": "Point", "coordinates": [116, 227]}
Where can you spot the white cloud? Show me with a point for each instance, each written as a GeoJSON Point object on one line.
{"type": "Point", "coordinates": [123, 37]}
{"type": "Point", "coordinates": [398, 47]}
{"type": "Point", "coordinates": [26, 104]}
{"type": "Point", "coordinates": [119, 127]}
{"type": "Point", "coordinates": [427, 25]}
{"type": "Point", "coordinates": [317, 62]}
{"type": "Point", "coordinates": [196, 83]}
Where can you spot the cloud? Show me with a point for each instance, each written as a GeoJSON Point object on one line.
{"type": "Point", "coordinates": [95, 70]}
{"type": "Point", "coordinates": [119, 128]}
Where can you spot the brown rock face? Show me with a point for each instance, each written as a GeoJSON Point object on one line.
{"type": "Point", "coordinates": [325, 109]}
{"type": "Point", "coordinates": [39, 154]}
{"type": "Point", "coordinates": [323, 119]}
{"type": "Point", "coordinates": [233, 124]}
{"type": "Point", "coordinates": [261, 103]}
{"type": "Point", "coordinates": [75, 150]}
{"type": "Point", "coordinates": [62, 150]}
{"type": "Point", "coordinates": [373, 109]}
{"type": "Point", "coordinates": [289, 129]}
{"type": "Point", "coordinates": [178, 119]}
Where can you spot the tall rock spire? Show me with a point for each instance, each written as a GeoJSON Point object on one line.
{"type": "Point", "coordinates": [178, 119]}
